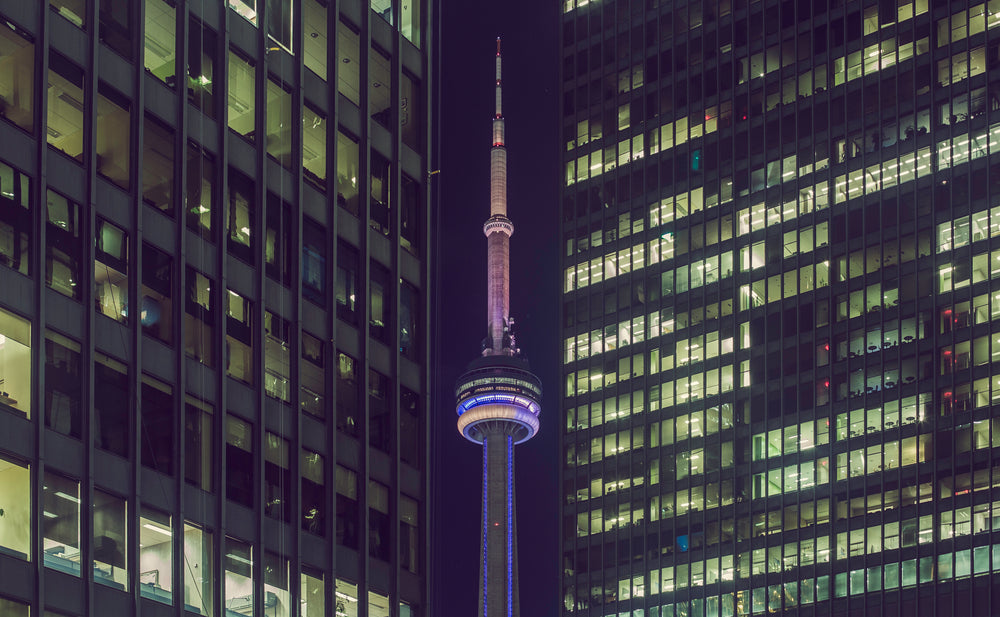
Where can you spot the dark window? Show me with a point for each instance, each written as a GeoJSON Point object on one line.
{"type": "Point", "coordinates": [62, 385]}
{"type": "Point", "coordinates": [313, 493]}
{"type": "Point", "coordinates": [201, 66]}
{"type": "Point", "coordinates": [380, 218]}
{"type": "Point", "coordinates": [409, 321]}
{"type": "Point", "coordinates": [116, 25]}
{"type": "Point", "coordinates": [410, 432]}
{"type": "Point", "coordinates": [379, 316]}
{"type": "Point", "coordinates": [278, 239]}
{"type": "Point", "coordinates": [348, 394]}
{"type": "Point", "coordinates": [198, 443]}
{"type": "Point", "coordinates": [15, 218]}
{"type": "Point", "coordinates": [239, 461]}
{"type": "Point", "coordinates": [157, 314]}
{"type": "Point", "coordinates": [409, 225]}
{"type": "Point", "coordinates": [157, 439]}
{"type": "Point", "coordinates": [347, 507]}
{"type": "Point", "coordinates": [158, 165]}
{"type": "Point", "coordinates": [277, 478]}
{"type": "Point", "coordinates": [240, 215]}
{"type": "Point", "coordinates": [379, 433]}
{"type": "Point", "coordinates": [62, 245]}
{"type": "Point", "coordinates": [313, 261]}
{"type": "Point", "coordinates": [111, 405]}
{"type": "Point", "coordinates": [347, 282]}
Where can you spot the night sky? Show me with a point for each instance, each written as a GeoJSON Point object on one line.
{"type": "Point", "coordinates": [468, 44]}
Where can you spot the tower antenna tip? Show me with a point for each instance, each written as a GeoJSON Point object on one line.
{"type": "Point", "coordinates": [498, 45]}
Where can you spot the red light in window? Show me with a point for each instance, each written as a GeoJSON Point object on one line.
{"type": "Point", "coordinates": [947, 311]}
{"type": "Point", "coordinates": [826, 347]}
{"type": "Point", "coordinates": [962, 492]}
{"type": "Point", "coordinates": [947, 352]}
{"type": "Point", "coordinates": [947, 394]}
{"type": "Point", "coordinates": [826, 384]}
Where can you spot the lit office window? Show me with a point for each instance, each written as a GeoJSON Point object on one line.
{"type": "Point", "coordinates": [410, 21]}
{"type": "Point", "coordinates": [312, 377]}
{"type": "Point", "coordinates": [156, 309]}
{"type": "Point", "coordinates": [277, 478]}
{"type": "Point", "coordinates": [247, 9]}
{"type": "Point", "coordinates": [75, 11]}
{"type": "Point", "coordinates": [378, 520]}
{"type": "Point", "coordinates": [62, 245]}
{"type": "Point", "coordinates": [157, 165]}
{"type": "Point", "coordinates": [239, 469]}
{"type": "Point", "coordinates": [242, 80]}
{"type": "Point", "coordinates": [382, 8]}
{"type": "Point", "coordinates": [347, 172]}
{"type": "Point", "coordinates": [349, 69]}
{"type": "Point", "coordinates": [346, 596]}
{"type": "Point", "coordinates": [111, 404]}
{"type": "Point", "coordinates": [277, 599]}
{"type": "Point", "coordinates": [111, 271]}
{"type": "Point", "coordinates": [17, 74]}
{"type": "Point", "coordinates": [110, 548]}
{"type": "Point", "coordinates": [64, 126]}
{"type": "Point", "coordinates": [198, 564]}
{"type": "Point", "coordinates": [239, 337]}
{"type": "Point", "coordinates": [156, 556]}
{"type": "Point", "coordinates": [161, 41]}
{"type": "Point", "coordinates": [199, 317]}
{"type": "Point", "coordinates": [277, 357]}
{"type": "Point", "coordinates": [13, 608]}
{"type": "Point", "coordinates": [15, 364]}
{"type": "Point", "coordinates": [312, 596]}
{"type": "Point", "coordinates": [378, 604]}
{"type": "Point", "coordinates": [239, 216]}
{"type": "Point", "coordinates": [198, 443]}
{"type": "Point", "coordinates": [63, 386]}
{"type": "Point", "coordinates": [238, 582]}
{"type": "Point", "coordinates": [15, 493]}
{"type": "Point", "coordinates": [156, 443]}
{"type": "Point", "coordinates": [314, 38]}
{"type": "Point", "coordinates": [347, 510]}
{"type": "Point", "coordinates": [61, 524]}
{"type": "Point", "coordinates": [314, 146]}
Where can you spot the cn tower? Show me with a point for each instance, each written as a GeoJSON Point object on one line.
{"type": "Point", "coordinates": [498, 397]}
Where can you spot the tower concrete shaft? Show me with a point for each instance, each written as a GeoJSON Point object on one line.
{"type": "Point", "coordinates": [498, 555]}
{"type": "Point", "coordinates": [498, 399]}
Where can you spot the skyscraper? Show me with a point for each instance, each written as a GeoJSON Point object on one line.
{"type": "Point", "coordinates": [779, 313]}
{"type": "Point", "coordinates": [214, 307]}
{"type": "Point", "coordinates": [498, 397]}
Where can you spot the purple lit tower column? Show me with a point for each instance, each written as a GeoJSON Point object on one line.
{"type": "Point", "coordinates": [498, 398]}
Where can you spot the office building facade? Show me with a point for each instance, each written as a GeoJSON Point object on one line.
{"type": "Point", "coordinates": [214, 307]}
{"type": "Point", "coordinates": [779, 319]}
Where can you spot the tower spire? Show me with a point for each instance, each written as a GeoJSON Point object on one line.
{"type": "Point", "coordinates": [498, 230]}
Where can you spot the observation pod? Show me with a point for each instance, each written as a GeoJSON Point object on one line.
{"type": "Point", "coordinates": [498, 395]}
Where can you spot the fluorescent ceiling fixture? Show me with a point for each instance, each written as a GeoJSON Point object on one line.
{"type": "Point", "coordinates": [67, 497]}
{"type": "Point", "coordinates": [165, 532]}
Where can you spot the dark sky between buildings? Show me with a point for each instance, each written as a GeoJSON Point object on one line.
{"type": "Point", "coordinates": [468, 44]}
